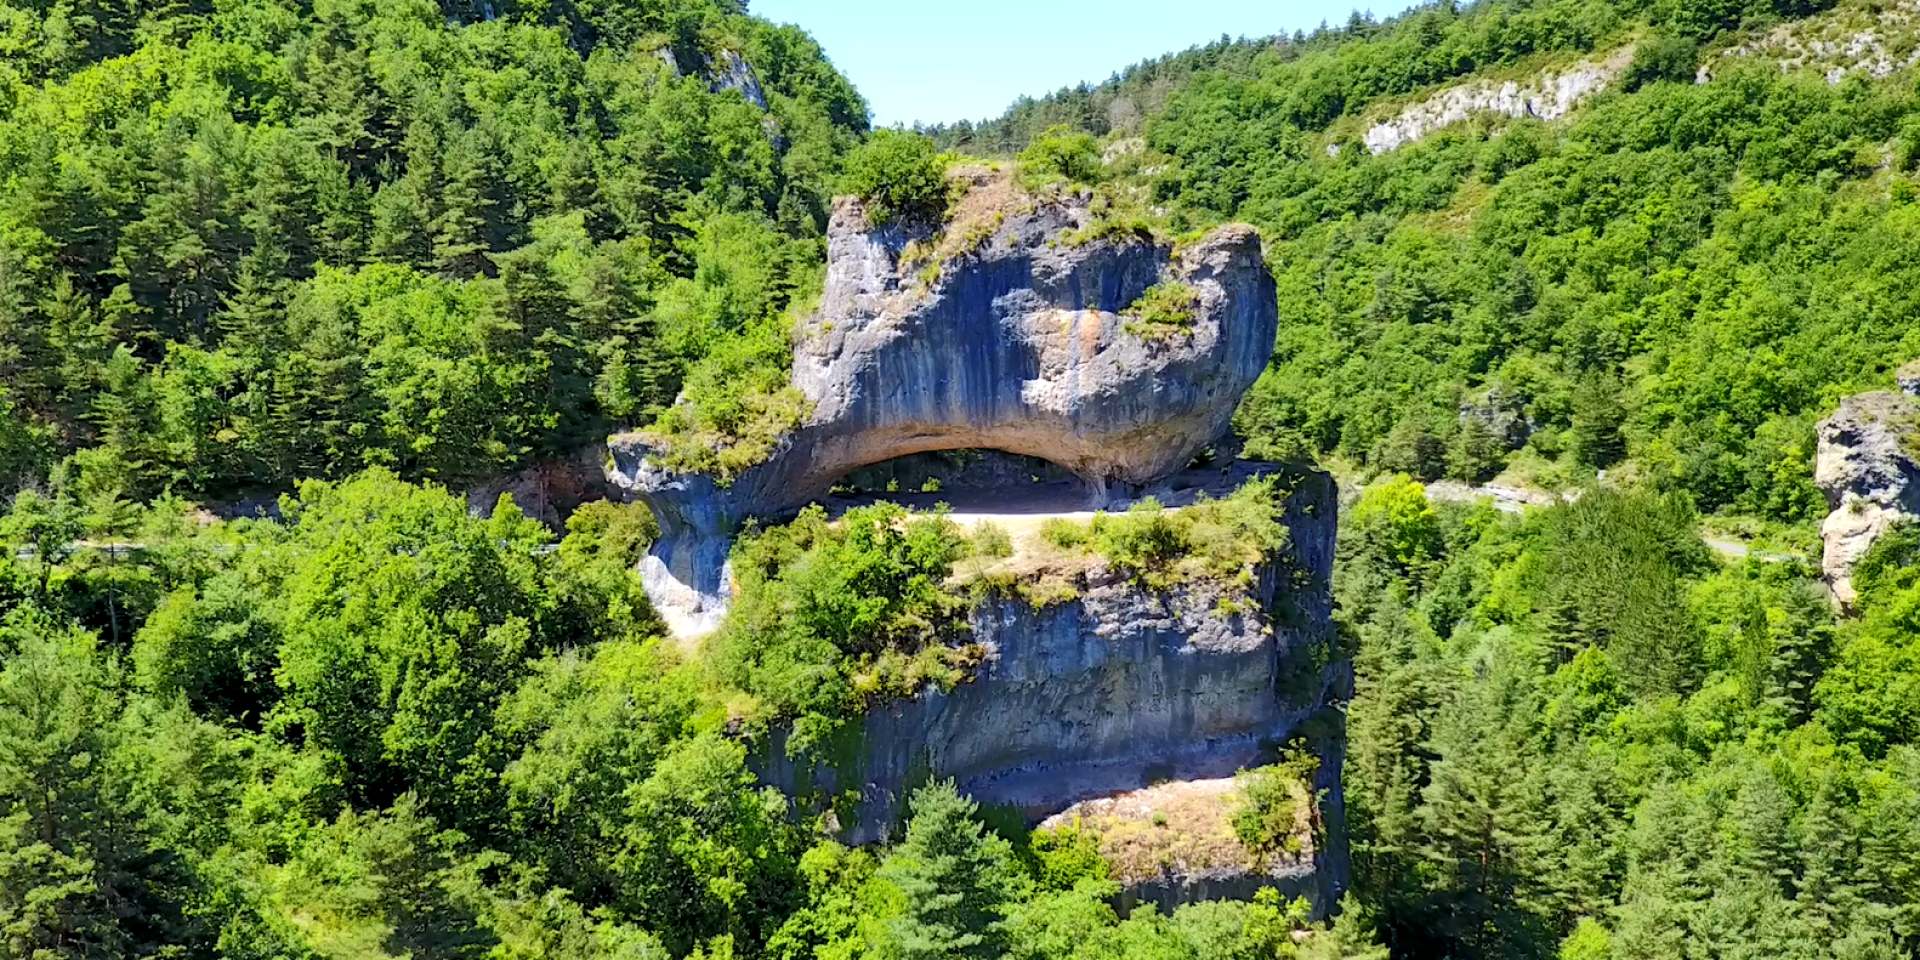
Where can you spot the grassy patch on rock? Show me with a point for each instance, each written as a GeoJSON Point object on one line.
{"type": "Point", "coordinates": [1164, 312]}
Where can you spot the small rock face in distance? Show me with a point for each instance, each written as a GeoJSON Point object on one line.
{"type": "Point", "coordinates": [1866, 468]}
{"type": "Point", "coordinates": [1017, 343]}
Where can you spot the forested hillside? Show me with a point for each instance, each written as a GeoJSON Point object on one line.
{"type": "Point", "coordinates": [247, 243]}
{"type": "Point", "coordinates": [1577, 733]}
{"type": "Point", "coordinates": [359, 252]}
{"type": "Point", "coordinates": [1681, 276]}
{"type": "Point", "coordinates": [353, 253]}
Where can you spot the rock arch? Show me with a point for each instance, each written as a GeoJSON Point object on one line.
{"type": "Point", "coordinates": [1020, 344]}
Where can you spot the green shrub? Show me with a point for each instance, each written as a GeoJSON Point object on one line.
{"type": "Point", "coordinates": [1662, 57]}
{"type": "Point", "coordinates": [1062, 155]}
{"type": "Point", "coordinates": [900, 176]}
{"type": "Point", "coordinates": [829, 616]}
{"type": "Point", "coordinates": [736, 405]}
{"type": "Point", "coordinates": [1891, 566]}
{"type": "Point", "coordinates": [1211, 538]}
{"type": "Point", "coordinates": [1166, 310]}
{"type": "Point", "coordinates": [1144, 538]}
{"type": "Point", "coordinates": [1267, 818]}
{"type": "Point", "coordinates": [1394, 523]}
{"type": "Point", "coordinates": [1064, 534]}
{"type": "Point", "coordinates": [990, 540]}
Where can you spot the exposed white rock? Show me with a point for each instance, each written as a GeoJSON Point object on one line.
{"type": "Point", "coordinates": [732, 72]}
{"type": "Point", "coordinates": [728, 71]}
{"type": "Point", "coordinates": [1547, 97]}
{"type": "Point", "coordinates": [1875, 40]}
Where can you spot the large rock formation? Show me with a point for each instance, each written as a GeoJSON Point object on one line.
{"type": "Point", "coordinates": [1016, 342]}
{"type": "Point", "coordinates": [1119, 688]}
{"type": "Point", "coordinates": [1866, 466]}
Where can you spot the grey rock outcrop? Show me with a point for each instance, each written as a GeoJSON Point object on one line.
{"type": "Point", "coordinates": [728, 71]}
{"type": "Point", "coordinates": [1547, 97]}
{"type": "Point", "coordinates": [732, 72]}
{"type": "Point", "coordinates": [1017, 344]}
{"type": "Point", "coordinates": [1871, 40]}
{"type": "Point", "coordinates": [1502, 415]}
{"type": "Point", "coordinates": [549, 491]}
{"type": "Point", "coordinates": [1865, 465]}
{"type": "Point", "coordinates": [1114, 690]}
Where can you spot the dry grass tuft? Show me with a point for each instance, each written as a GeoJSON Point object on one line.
{"type": "Point", "coordinates": [1176, 829]}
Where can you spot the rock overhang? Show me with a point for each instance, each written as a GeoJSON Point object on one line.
{"type": "Point", "coordinates": [1017, 338]}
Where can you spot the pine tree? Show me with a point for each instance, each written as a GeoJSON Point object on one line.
{"type": "Point", "coordinates": [462, 229]}
{"type": "Point", "coordinates": [78, 877]}
{"type": "Point", "coordinates": [402, 215]}
{"type": "Point", "coordinates": [957, 879]}
{"type": "Point", "coordinates": [1827, 887]}
{"type": "Point", "coordinates": [79, 340]}
{"type": "Point", "coordinates": [1597, 417]}
{"type": "Point", "coordinates": [1483, 817]}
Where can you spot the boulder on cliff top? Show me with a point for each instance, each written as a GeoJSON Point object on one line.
{"type": "Point", "coordinates": [1866, 467]}
{"type": "Point", "coordinates": [1029, 330]}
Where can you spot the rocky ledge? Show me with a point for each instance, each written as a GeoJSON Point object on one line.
{"type": "Point", "coordinates": [1014, 336]}
{"type": "Point", "coordinates": [1116, 688]}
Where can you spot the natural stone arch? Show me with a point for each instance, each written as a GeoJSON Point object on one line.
{"type": "Point", "coordinates": [1021, 344]}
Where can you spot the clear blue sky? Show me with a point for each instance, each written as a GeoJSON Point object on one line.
{"type": "Point", "coordinates": [946, 60]}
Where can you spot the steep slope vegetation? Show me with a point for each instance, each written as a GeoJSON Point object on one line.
{"type": "Point", "coordinates": [1575, 733]}
{"type": "Point", "coordinates": [251, 242]}
{"type": "Point", "coordinates": [1681, 275]}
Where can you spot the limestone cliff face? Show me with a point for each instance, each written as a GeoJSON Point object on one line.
{"type": "Point", "coordinates": [1017, 344]}
{"type": "Point", "coordinates": [1117, 689]}
{"type": "Point", "coordinates": [1867, 469]}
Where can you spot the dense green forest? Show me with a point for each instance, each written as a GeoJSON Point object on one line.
{"type": "Point", "coordinates": [382, 727]}
{"type": "Point", "coordinates": [353, 252]}
{"type": "Point", "coordinates": [247, 243]}
{"type": "Point", "coordinates": [1578, 734]}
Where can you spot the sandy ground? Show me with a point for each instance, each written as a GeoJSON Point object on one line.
{"type": "Point", "coordinates": [1181, 828]}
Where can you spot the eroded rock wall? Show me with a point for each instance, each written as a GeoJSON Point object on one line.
{"type": "Point", "coordinates": [1111, 691]}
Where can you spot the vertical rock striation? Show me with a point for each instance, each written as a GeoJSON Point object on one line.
{"type": "Point", "coordinates": [1116, 689]}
